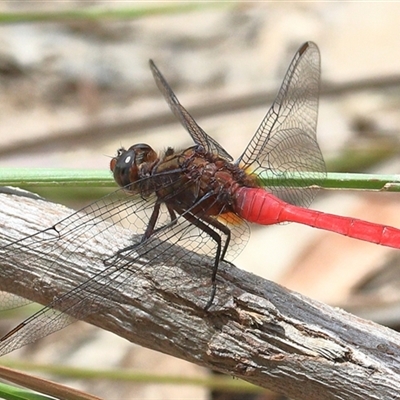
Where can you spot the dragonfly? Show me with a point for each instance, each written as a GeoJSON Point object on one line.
{"type": "Point", "coordinates": [198, 198]}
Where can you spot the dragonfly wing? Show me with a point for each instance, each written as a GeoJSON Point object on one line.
{"type": "Point", "coordinates": [101, 244]}
{"type": "Point", "coordinates": [198, 135]}
{"type": "Point", "coordinates": [10, 301]}
{"type": "Point", "coordinates": [37, 259]}
{"type": "Point", "coordinates": [285, 145]}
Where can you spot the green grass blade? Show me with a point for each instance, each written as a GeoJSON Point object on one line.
{"type": "Point", "coordinates": [119, 375]}
{"type": "Point", "coordinates": [96, 13]}
{"type": "Point", "coordinates": [53, 177]}
{"type": "Point", "coordinates": [9, 392]}
{"type": "Point", "coordinates": [334, 180]}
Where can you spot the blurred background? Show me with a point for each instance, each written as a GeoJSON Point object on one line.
{"type": "Point", "coordinates": [74, 90]}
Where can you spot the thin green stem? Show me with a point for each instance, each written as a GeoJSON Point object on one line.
{"type": "Point", "coordinates": [333, 180]}
{"type": "Point", "coordinates": [52, 177]}
{"type": "Point", "coordinates": [55, 177]}
{"type": "Point", "coordinates": [211, 382]}
{"type": "Point", "coordinates": [104, 13]}
{"type": "Point", "coordinates": [10, 392]}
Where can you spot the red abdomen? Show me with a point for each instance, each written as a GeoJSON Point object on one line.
{"type": "Point", "coordinates": [258, 206]}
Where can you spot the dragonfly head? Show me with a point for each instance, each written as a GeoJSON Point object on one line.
{"type": "Point", "coordinates": [128, 164]}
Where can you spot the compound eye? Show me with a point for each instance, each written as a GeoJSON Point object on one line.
{"type": "Point", "coordinates": [128, 159]}
{"type": "Point", "coordinates": [123, 168]}
{"type": "Point", "coordinates": [127, 164]}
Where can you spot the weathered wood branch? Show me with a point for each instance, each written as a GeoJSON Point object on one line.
{"type": "Point", "coordinates": [255, 330]}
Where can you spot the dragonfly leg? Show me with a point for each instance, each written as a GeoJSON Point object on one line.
{"type": "Point", "coordinates": [152, 222]}
{"type": "Point", "coordinates": [149, 230]}
{"type": "Point", "coordinates": [205, 223]}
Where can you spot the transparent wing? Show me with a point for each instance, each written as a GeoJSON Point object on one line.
{"type": "Point", "coordinates": [10, 301]}
{"type": "Point", "coordinates": [285, 143]}
{"type": "Point", "coordinates": [74, 239]}
{"type": "Point", "coordinates": [198, 135]}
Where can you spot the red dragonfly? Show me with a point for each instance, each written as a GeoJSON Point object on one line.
{"type": "Point", "coordinates": [191, 196]}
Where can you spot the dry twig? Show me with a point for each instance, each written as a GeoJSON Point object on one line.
{"type": "Point", "coordinates": [256, 330]}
